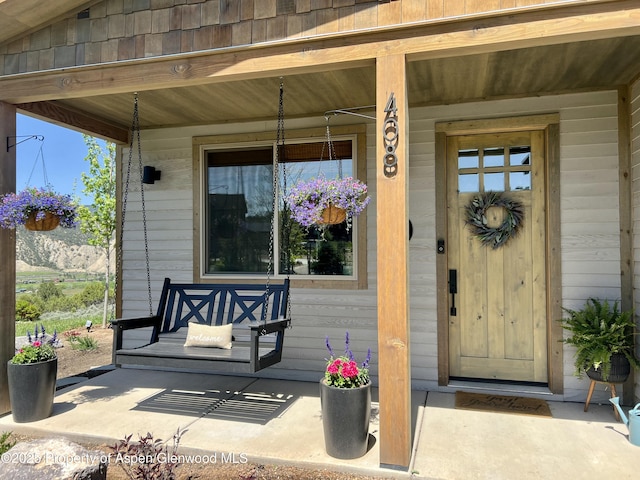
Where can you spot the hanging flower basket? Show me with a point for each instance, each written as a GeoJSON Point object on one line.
{"type": "Point", "coordinates": [47, 223]}
{"type": "Point", "coordinates": [37, 209]}
{"type": "Point", "coordinates": [333, 215]}
{"type": "Point", "coordinates": [309, 200]}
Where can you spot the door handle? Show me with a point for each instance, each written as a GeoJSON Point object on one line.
{"type": "Point", "coordinates": [453, 289]}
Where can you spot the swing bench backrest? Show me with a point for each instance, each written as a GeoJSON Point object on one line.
{"type": "Point", "coordinates": [220, 304]}
{"type": "Point", "coordinates": [258, 333]}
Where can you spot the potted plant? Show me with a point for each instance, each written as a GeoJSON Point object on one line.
{"type": "Point", "coordinates": [37, 209]}
{"type": "Point", "coordinates": [323, 202]}
{"type": "Point", "coordinates": [32, 377]}
{"type": "Point", "coordinates": [604, 339]}
{"type": "Point", "coordinates": [345, 398]}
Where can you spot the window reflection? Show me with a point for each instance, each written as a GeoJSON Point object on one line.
{"type": "Point", "coordinates": [238, 211]}
{"type": "Point", "coordinates": [520, 155]}
{"type": "Point", "coordinates": [520, 181]}
{"type": "Point", "coordinates": [489, 169]}
{"type": "Point", "coordinates": [468, 183]}
{"type": "Point", "coordinates": [494, 181]}
{"type": "Point", "coordinates": [468, 158]}
{"type": "Point", "coordinates": [494, 157]}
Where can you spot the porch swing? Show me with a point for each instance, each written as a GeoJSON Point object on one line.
{"type": "Point", "coordinates": [217, 328]}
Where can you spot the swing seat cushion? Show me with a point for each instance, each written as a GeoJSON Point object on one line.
{"type": "Point", "coordinates": [217, 336]}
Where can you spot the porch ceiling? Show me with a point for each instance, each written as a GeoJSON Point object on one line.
{"type": "Point", "coordinates": [18, 17]}
{"type": "Point", "coordinates": [595, 64]}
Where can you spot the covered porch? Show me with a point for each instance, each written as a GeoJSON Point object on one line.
{"type": "Point", "coordinates": [447, 442]}
{"type": "Point", "coordinates": [442, 65]}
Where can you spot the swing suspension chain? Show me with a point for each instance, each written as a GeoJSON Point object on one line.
{"type": "Point", "coordinates": [275, 180]}
{"type": "Point", "coordinates": [144, 220]}
{"type": "Point", "coordinates": [125, 197]}
{"type": "Point", "coordinates": [286, 219]}
{"type": "Point", "coordinates": [135, 129]}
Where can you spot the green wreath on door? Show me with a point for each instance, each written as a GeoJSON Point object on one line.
{"type": "Point", "coordinates": [476, 218]}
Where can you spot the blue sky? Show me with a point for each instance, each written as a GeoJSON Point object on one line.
{"type": "Point", "coordinates": [63, 151]}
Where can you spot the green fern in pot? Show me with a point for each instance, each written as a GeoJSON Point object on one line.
{"type": "Point", "coordinates": [599, 332]}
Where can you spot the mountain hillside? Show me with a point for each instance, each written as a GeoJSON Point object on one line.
{"type": "Point", "coordinates": [62, 249]}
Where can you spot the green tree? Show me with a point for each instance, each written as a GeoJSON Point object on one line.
{"type": "Point", "coordinates": [49, 290]}
{"type": "Point", "coordinates": [99, 219]}
{"type": "Point", "coordinates": [92, 294]}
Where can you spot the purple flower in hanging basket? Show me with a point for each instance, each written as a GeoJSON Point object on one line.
{"type": "Point", "coordinates": [15, 208]}
{"type": "Point", "coordinates": [307, 200]}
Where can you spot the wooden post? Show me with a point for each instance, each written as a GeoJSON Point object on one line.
{"type": "Point", "coordinates": [8, 249]}
{"type": "Point", "coordinates": [394, 354]}
{"type": "Point", "coordinates": [626, 219]}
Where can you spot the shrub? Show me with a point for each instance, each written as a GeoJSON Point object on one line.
{"type": "Point", "coordinates": [92, 294]}
{"type": "Point", "coordinates": [34, 300]}
{"type": "Point", "coordinates": [27, 311]}
{"type": "Point", "coordinates": [63, 304]}
{"type": "Point", "coordinates": [162, 461]}
{"type": "Point", "coordinates": [49, 290]}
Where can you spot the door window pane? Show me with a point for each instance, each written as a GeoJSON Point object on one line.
{"type": "Point", "coordinates": [494, 181]}
{"type": "Point", "coordinates": [468, 183]}
{"type": "Point", "coordinates": [520, 180]}
{"type": "Point", "coordinates": [494, 157]}
{"type": "Point", "coordinates": [520, 155]}
{"type": "Point", "coordinates": [468, 158]}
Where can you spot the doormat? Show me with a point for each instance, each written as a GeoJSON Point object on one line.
{"type": "Point", "coordinates": [502, 404]}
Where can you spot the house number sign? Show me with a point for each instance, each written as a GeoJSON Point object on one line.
{"type": "Point", "coordinates": [390, 137]}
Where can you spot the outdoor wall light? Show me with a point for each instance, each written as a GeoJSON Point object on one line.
{"type": "Point", "coordinates": [150, 175]}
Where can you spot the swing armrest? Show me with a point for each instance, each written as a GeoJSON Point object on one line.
{"type": "Point", "coordinates": [121, 324]}
{"type": "Point", "coordinates": [258, 362]}
{"type": "Point", "coordinates": [270, 327]}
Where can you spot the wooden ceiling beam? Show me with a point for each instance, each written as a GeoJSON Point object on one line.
{"type": "Point", "coordinates": [430, 40]}
{"type": "Point", "coordinates": [66, 117]}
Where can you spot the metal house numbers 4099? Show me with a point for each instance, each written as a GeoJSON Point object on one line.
{"type": "Point", "coordinates": [390, 135]}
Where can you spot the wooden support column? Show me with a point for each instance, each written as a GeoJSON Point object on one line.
{"type": "Point", "coordinates": [8, 249]}
{"type": "Point", "coordinates": [394, 355]}
{"type": "Point", "coordinates": [626, 218]}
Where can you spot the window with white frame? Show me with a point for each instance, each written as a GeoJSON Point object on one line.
{"type": "Point", "coordinates": [237, 205]}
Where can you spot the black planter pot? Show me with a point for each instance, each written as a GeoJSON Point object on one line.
{"type": "Point", "coordinates": [620, 370]}
{"type": "Point", "coordinates": [345, 420]}
{"type": "Point", "coordinates": [32, 387]}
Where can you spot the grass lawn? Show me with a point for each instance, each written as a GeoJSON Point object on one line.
{"type": "Point", "coordinates": [60, 321]}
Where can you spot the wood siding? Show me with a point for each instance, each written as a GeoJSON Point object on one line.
{"type": "Point", "coordinates": [635, 192]}
{"type": "Point", "coordinates": [119, 30]}
{"type": "Point", "coordinates": [589, 230]}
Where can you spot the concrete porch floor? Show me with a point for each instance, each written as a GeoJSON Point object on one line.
{"type": "Point", "coordinates": [448, 443]}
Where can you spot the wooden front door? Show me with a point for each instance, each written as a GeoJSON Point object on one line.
{"type": "Point", "coordinates": [497, 296]}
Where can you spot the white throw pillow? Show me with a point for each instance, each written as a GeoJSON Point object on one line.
{"type": "Point", "coordinates": [217, 336]}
